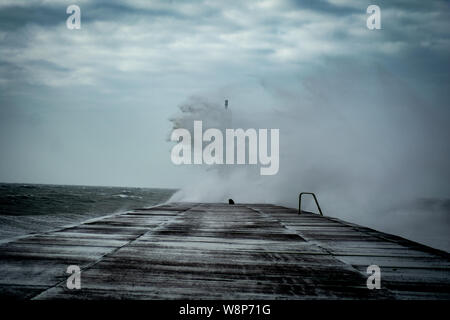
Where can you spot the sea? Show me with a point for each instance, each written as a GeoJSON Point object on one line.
{"type": "Point", "coordinates": [34, 208]}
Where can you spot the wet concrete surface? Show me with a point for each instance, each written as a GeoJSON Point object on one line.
{"type": "Point", "coordinates": [220, 251]}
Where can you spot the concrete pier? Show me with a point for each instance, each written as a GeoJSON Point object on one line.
{"type": "Point", "coordinates": [220, 251]}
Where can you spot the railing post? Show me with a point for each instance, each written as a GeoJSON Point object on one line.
{"type": "Point", "coordinates": [300, 202]}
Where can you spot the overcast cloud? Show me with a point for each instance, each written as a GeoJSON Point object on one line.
{"type": "Point", "coordinates": [89, 106]}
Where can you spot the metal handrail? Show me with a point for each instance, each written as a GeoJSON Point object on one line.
{"type": "Point", "coordinates": [300, 202]}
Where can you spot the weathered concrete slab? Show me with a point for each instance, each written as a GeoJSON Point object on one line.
{"type": "Point", "coordinates": [220, 251]}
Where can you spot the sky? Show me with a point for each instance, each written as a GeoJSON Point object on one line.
{"type": "Point", "coordinates": [92, 106]}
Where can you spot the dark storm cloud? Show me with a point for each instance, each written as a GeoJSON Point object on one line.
{"type": "Point", "coordinates": [327, 7]}
{"type": "Point", "coordinates": [14, 17]}
{"type": "Point", "coordinates": [407, 5]}
{"type": "Point", "coordinates": [269, 32]}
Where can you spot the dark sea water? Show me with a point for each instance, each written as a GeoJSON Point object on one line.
{"type": "Point", "coordinates": [27, 208]}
